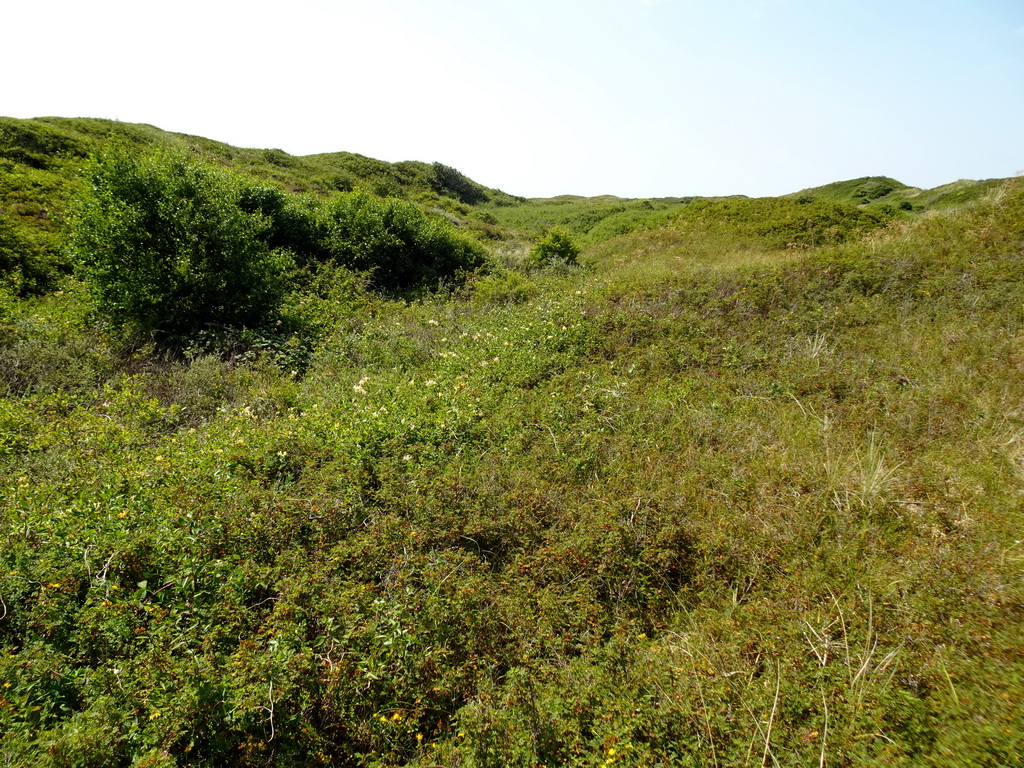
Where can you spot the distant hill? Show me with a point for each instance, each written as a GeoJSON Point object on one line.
{"type": "Point", "coordinates": [54, 143]}
{"type": "Point", "coordinates": [876, 191]}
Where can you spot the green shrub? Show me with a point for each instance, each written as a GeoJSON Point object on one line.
{"type": "Point", "coordinates": [396, 241]}
{"type": "Point", "coordinates": [446, 180]}
{"type": "Point", "coordinates": [554, 246]}
{"type": "Point", "coordinates": [167, 246]}
{"type": "Point", "coordinates": [506, 287]}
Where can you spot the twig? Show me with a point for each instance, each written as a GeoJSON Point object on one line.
{"type": "Point", "coordinates": [270, 709]}
{"type": "Point", "coordinates": [771, 718]}
{"type": "Point", "coordinates": [824, 735]}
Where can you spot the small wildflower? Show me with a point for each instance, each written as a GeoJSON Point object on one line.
{"type": "Point", "coordinates": [407, 457]}
{"type": "Point", "coordinates": [155, 714]}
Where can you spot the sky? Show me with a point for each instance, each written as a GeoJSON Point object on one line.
{"type": "Point", "coordinates": [636, 98]}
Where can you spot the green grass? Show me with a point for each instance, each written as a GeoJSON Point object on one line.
{"type": "Point", "coordinates": [883, 193]}
{"type": "Point", "coordinates": [706, 499]}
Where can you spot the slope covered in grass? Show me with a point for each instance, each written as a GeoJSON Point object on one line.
{"type": "Point", "coordinates": [707, 500]}
{"type": "Point", "coordinates": [42, 164]}
{"type": "Point", "coordinates": [883, 193]}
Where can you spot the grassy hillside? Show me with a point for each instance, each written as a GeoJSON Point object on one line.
{"type": "Point", "coordinates": [55, 143]}
{"type": "Point", "coordinates": [888, 194]}
{"type": "Point", "coordinates": [745, 488]}
{"type": "Point", "coordinates": [42, 160]}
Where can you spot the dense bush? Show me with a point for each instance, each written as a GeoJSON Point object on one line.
{"type": "Point", "coordinates": [167, 246]}
{"type": "Point", "coordinates": [554, 246]}
{"type": "Point", "coordinates": [446, 180]}
{"type": "Point", "coordinates": [396, 241]}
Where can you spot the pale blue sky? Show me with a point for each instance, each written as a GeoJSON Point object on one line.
{"type": "Point", "coordinates": [638, 98]}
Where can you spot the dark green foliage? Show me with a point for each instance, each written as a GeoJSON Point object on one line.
{"type": "Point", "coordinates": [555, 246]}
{"type": "Point", "coordinates": [293, 222]}
{"type": "Point", "coordinates": [396, 241]}
{"type": "Point", "coordinates": [446, 180]}
{"type": "Point", "coordinates": [166, 246]}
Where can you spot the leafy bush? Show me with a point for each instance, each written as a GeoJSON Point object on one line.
{"type": "Point", "coordinates": [396, 241]}
{"type": "Point", "coordinates": [555, 246]}
{"type": "Point", "coordinates": [505, 287]}
{"type": "Point", "coordinates": [446, 180]}
{"type": "Point", "coordinates": [167, 246]}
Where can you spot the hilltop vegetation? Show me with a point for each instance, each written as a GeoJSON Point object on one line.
{"type": "Point", "coordinates": [648, 483]}
{"type": "Point", "coordinates": [885, 194]}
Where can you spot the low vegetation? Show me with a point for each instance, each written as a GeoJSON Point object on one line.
{"type": "Point", "coordinates": [740, 486]}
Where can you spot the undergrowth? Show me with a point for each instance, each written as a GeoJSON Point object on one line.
{"type": "Point", "coordinates": [705, 500]}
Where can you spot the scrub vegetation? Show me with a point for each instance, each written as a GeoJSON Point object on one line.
{"type": "Point", "coordinates": [295, 473]}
